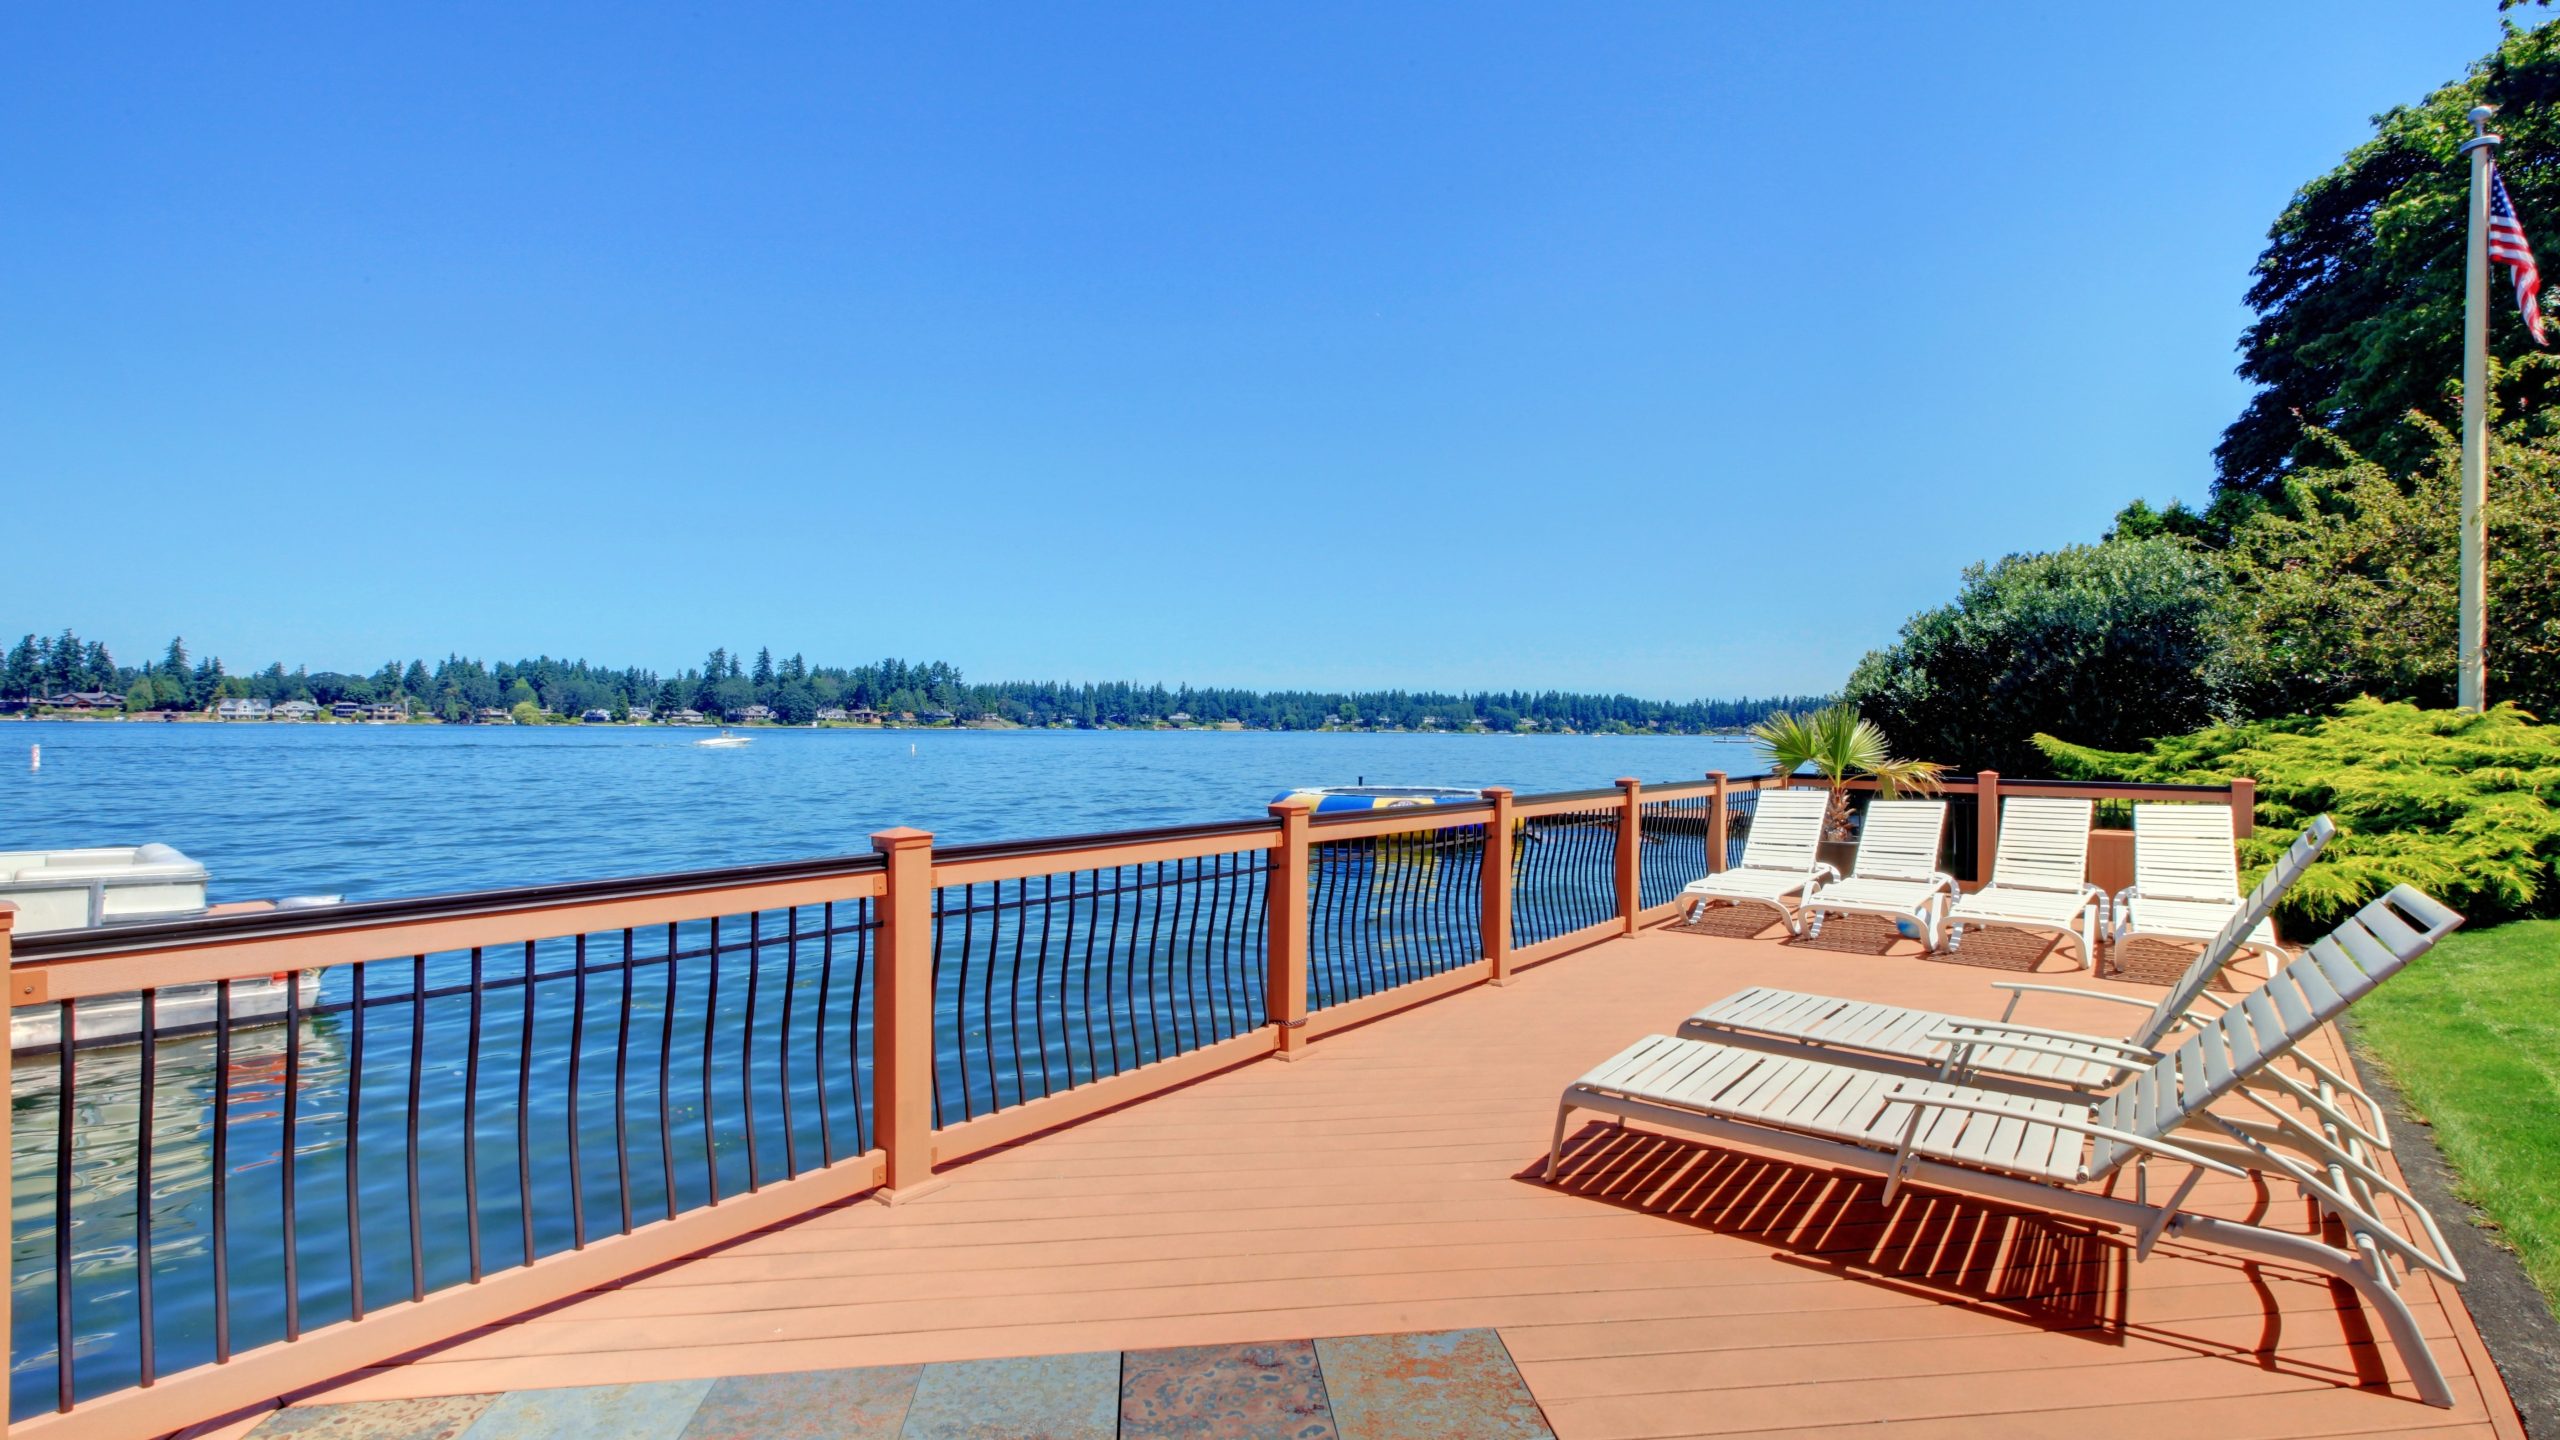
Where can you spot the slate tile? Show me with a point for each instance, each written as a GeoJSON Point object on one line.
{"type": "Point", "coordinates": [862, 1404]}
{"type": "Point", "coordinates": [627, 1412]}
{"type": "Point", "coordinates": [438, 1417]}
{"type": "Point", "coordinates": [1439, 1385]}
{"type": "Point", "coordinates": [1051, 1397]}
{"type": "Point", "coordinates": [1224, 1392]}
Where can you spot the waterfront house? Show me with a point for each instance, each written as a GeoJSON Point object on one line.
{"type": "Point", "coordinates": [345, 710]}
{"type": "Point", "coordinates": [240, 707]}
{"type": "Point", "coordinates": [386, 712]}
{"type": "Point", "coordinates": [640, 712]}
{"type": "Point", "coordinates": [687, 716]}
{"type": "Point", "coordinates": [491, 715]}
{"type": "Point", "coordinates": [863, 715]}
{"type": "Point", "coordinates": [939, 717]}
{"type": "Point", "coordinates": [596, 717]}
{"type": "Point", "coordinates": [752, 714]}
{"type": "Point", "coordinates": [82, 701]}
{"type": "Point", "coordinates": [295, 710]}
{"type": "Point", "coordinates": [1178, 717]}
{"type": "Point", "coordinates": [832, 713]}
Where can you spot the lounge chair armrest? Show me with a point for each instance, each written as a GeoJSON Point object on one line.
{"type": "Point", "coordinates": [1965, 1043]}
{"type": "Point", "coordinates": [2022, 987]}
{"type": "Point", "coordinates": [2077, 1127]}
{"type": "Point", "coordinates": [1999, 1031]}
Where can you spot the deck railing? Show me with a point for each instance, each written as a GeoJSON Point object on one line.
{"type": "Point", "coordinates": [283, 1146]}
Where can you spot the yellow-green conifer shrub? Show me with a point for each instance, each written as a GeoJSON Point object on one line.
{"type": "Point", "coordinates": [2463, 805]}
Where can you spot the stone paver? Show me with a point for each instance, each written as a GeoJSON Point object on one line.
{"type": "Point", "coordinates": [1439, 1385]}
{"type": "Point", "coordinates": [439, 1417]}
{"type": "Point", "coordinates": [1051, 1397]}
{"type": "Point", "coordinates": [1225, 1392]}
{"type": "Point", "coordinates": [864, 1404]}
{"type": "Point", "coordinates": [627, 1412]}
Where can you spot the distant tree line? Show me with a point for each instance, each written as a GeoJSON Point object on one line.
{"type": "Point", "coordinates": [38, 668]}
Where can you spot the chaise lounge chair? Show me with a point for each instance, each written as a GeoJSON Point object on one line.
{"type": "Point", "coordinates": [1781, 858]}
{"type": "Point", "coordinates": [2003, 1053]}
{"type": "Point", "coordinates": [2186, 881]}
{"type": "Point", "coordinates": [1896, 873]}
{"type": "Point", "coordinates": [2041, 1154]}
{"type": "Point", "coordinates": [2040, 878]}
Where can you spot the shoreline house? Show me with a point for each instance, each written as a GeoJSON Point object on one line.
{"type": "Point", "coordinates": [491, 715]}
{"type": "Point", "coordinates": [752, 714]}
{"type": "Point", "coordinates": [687, 716]}
{"type": "Point", "coordinates": [345, 710]}
{"type": "Point", "coordinates": [833, 713]}
{"type": "Point", "coordinates": [641, 713]}
{"type": "Point", "coordinates": [939, 717]}
{"type": "Point", "coordinates": [295, 710]}
{"type": "Point", "coordinates": [386, 712]}
{"type": "Point", "coordinates": [240, 707]}
{"type": "Point", "coordinates": [862, 715]}
{"type": "Point", "coordinates": [82, 701]}
{"type": "Point", "coordinates": [596, 717]}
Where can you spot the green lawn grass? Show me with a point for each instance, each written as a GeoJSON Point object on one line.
{"type": "Point", "coordinates": [2471, 1036]}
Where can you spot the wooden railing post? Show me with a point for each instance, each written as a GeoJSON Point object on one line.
{"type": "Point", "coordinates": [902, 1016]}
{"type": "Point", "coordinates": [2244, 808]}
{"type": "Point", "coordinates": [1718, 825]}
{"type": "Point", "coordinates": [1496, 912]}
{"type": "Point", "coordinates": [1284, 913]}
{"type": "Point", "coordinates": [1630, 852]}
{"type": "Point", "coordinates": [1986, 844]}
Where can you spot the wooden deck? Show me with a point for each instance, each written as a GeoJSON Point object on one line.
{"type": "Point", "coordinates": [1386, 1183]}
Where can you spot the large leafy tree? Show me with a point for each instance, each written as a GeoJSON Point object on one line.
{"type": "Point", "coordinates": [2111, 644]}
{"type": "Point", "coordinates": [2359, 291]}
{"type": "Point", "coordinates": [2347, 589]}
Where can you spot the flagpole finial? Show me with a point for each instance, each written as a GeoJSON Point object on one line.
{"type": "Point", "coordinates": [2481, 137]}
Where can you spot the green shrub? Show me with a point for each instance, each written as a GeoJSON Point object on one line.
{"type": "Point", "coordinates": [2110, 643]}
{"type": "Point", "coordinates": [2463, 805]}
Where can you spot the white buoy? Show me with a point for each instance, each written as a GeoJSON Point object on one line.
{"type": "Point", "coordinates": [35, 757]}
{"type": "Point", "coordinates": [911, 747]}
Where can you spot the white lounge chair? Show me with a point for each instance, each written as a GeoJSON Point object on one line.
{"type": "Point", "coordinates": [2002, 1052]}
{"type": "Point", "coordinates": [1896, 873]}
{"type": "Point", "coordinates": [2186, 881]}
{"type": "Point", "coordinates": [2042, 1154]}
{"type": "Point", "coordinates": [1781, 857]}
{"type": "Point", "coordinates": [2039, 879]}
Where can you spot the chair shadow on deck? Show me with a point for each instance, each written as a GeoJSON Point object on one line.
{"type": "Point", "coordinates": [2045, 1271]}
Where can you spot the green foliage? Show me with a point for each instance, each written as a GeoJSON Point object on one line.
{"type": "Point", "coordinates": [138, 696]}
{"type": "Point", "coordinates": [2359, 292]}
{"type": "Point", "coordinates": [2348, 588]}
{"type": "Point", "coordinates": [525, 712]}
{"type": "Point", "coordinates": [2463, 805]}
{"type": "Point", "coordinates": [1840, 745]}
{"type": "Point", "coordinates": [2112, 643]}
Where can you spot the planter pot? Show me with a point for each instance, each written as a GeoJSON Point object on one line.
{"type": "Point", "coordinates": [1840, 855]}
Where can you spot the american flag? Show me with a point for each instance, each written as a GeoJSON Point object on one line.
{"type": "Point", "coordinates": [2508, 247]}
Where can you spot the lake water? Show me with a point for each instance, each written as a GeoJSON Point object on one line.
{"type": "Point", "coordinates": [381, 811]}
{"type": "Point", "coordinates": [376, 811]}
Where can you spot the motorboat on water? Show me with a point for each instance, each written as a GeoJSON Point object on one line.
{"type": "Point", "coordinates": [725, 741]}
{"type": "Point", "coordinates": [1345, 799]}
{"type": "Point", "coordinates": [102, 887]}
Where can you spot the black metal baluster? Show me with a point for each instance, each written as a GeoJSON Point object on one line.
{"type": "Point", "coordinates": [524, 1108]}
{"type": "Point", "coordinates": [292, 1116]}
{"type": "Point", "coordinates": [747, 1049]}
{"type": "Point", "coordinates": [666, 1089]}
{"type": "Point", "coordinates": [577, 1063]}
{"type": "Point", "coordinates": [355, 1116]}
{"type": "Point", "coordinates": [1111, 977]}
{"type": "Point", "coordinates": [221, 1172]}
{"type": "Point", "coordinates": [1186, 922]}
{"type": "Point", "coordinates": [1040, 1009]}
{"type": "Point", "coordinates": [622, 1080]}
{"type": "Point", "coordinates": [818, 1039]}
{"type": "Point", "coordinates": [710, 1012]}
{"type": "Point", "coordinates": [1209, 964]}
{"type": "Point", "coordinates": [1084, 977]}
{"type": "Point", "coordinates": [1013, 988]}
{"type": "Point", "coordinates": [1151, 895]}
{"type": "Point", "coordinates": [853, 1027]}
{"type": "Point", "coordinates": [941, 909]}
{"type": "Point", "coordinates": [960, 1001]}
{"type": "Point", "coordinates": [67, 1101]}
{"type": "Point", "coordinates": [417, 1084]}
{"type": "Point", "coordinates": [471, 1117]}
{"type": "Point", "coordinates": [148, 1323]}
{"type": "Point", "coordinates": [790, 986]}
{"type": "Point", "coordinates": [987, 992]}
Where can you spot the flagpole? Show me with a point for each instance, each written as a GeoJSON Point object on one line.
{"type": "Point", "coordinates": [2471, 674]}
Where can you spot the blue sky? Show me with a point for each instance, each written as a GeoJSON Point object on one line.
{"type": "Point", "coordinates": [1678, 349]}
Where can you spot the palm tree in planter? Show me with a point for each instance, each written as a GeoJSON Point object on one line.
{"type": "Point", "coordinates": [1840, 745]}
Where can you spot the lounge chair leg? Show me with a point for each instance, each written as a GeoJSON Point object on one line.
{"type": "Point", "coordinates": [1555, 1147]}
